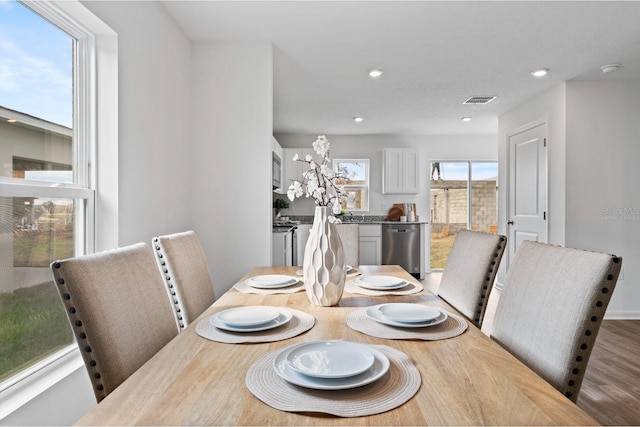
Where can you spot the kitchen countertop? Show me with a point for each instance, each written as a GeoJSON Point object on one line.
{"type": "Point", "coordinates": [355, 219]}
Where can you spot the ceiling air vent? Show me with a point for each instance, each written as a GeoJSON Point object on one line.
{"type": "Point", "coordinates": [479, 100]}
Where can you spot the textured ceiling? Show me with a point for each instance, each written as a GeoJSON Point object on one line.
{"type": "Point", "coordinates": [435, 55]}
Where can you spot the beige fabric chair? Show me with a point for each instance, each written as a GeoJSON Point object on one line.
{"type": "Point", "coordinates": [551, 308]}
{"type": "Point", "coordinates": [470, 272]}
{"type": "Point", "coordinates": [350, 236]}
{"type": "Point", "coordinates": [185, 272]}
{"type": "Point", "coordinates": [119, 311]}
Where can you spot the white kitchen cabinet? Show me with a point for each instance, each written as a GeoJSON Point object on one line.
{"type": "Point", "coordinates": [400, 170]}
{"type": "Point", "coordinates": [293, 171]}
{"type": "Point", "coordinates": [370, 244]}
{"type": "Point", "coordinates": [282, 249]}
{"type": "Point", "coordinates": [301, 236]}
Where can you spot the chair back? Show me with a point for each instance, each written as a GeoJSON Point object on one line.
{"type": "Point", "coordinates": [470, 272]}
{"type": "Point", "coordinates": [551, 308]}
{"type": "Point", "coordinates": [118, 309]}
{"type": "Point", "coordinates": [350, 237]}
{"type": "Point", "coordinates": [184, 269]}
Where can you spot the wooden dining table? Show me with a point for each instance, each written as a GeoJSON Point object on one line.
{"type": "Point", "coordinates": [465, 380]}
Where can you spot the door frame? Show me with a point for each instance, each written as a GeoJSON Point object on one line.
{"type": "Point", "coordinates": [510, 134]}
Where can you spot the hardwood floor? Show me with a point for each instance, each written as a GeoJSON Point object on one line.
{"type": "Point", "coordinates": [610, 390]}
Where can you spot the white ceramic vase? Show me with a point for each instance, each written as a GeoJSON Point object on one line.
{"type": "Point", "coordinates": [324, 266]}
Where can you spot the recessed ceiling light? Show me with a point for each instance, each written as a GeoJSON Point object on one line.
{"type": "Point", "coordinates": [358, 119]}
{"type": "Point", "coordinates": [11, 120]}
{"type": "Point", "coordinates": [466, 119]}
{"type": "Point", "coordinates": [540, 72]}
{"type": "Point", "coordinates": [375, 73]}
{"type": "Point", "coordinates": [610, 68]}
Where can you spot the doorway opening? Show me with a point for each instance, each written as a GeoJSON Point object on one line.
{"type": "Point", "coordinates": [464, 195]}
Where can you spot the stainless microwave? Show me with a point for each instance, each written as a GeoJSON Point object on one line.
{"type": "Point", "coordinates": [276, 171]}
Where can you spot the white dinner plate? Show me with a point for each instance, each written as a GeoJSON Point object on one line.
{"type": "Point", "coordinates": [376, 371]}
{"type": "Point", "coordinates": [380, 283]}
{"type": "Point", "coordinates": [330, 359]}
{"type": "Point", "coordinates": [374, 313]}
{"type": "Point", "coordinates": [248, 316]}
{"type": "Point", "coordinates": [271, 281]}
{"type": "Point", "coordinates": [411, 313]}
{"type": "Point", "coordinates": [283, 317]}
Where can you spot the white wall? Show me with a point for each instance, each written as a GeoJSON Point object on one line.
{"type": "Point", "coordinates": [154, 119]}
{"type": "Point", "coordinates": [432, 147]}
{"type": "Point", "coordinates": [603, 201]}
{"type": "Point", "coordinates": [548, 106]}
{"type": "Point", "coordinates": [592, 156]}
{"type": "Point", "coordinates": [230, 159]}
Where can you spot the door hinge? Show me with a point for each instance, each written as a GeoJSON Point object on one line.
{"type": "Point", "coordinates": [544, 216]}
{"type": "Point", "coordinates": [545, 142]}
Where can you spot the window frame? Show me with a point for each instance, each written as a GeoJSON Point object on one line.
{"type": "Point", "coordinates": [35, 379]}
{"type": "Point", "coordinates": [364, 187]}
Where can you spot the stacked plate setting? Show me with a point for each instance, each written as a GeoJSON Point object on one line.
{"type": "Point", "coordinates": [271, 281]}
{"type": "Point", "coordinates": [380, 283]}
{"type": "Point", "coordinates": [331, 365]}
{"type": "Point", "coordinates": [251, 318]}
{"type": "Point", "coordinates": [406, 315]}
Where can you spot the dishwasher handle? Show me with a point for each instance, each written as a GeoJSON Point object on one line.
{"type": "Point", "coordinates": [401, 230]}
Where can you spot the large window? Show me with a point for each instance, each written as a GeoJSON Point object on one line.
{"type": "Point", "coordinates": [46, 201]}
{"type": "Point", "coordinates": [464, 195]}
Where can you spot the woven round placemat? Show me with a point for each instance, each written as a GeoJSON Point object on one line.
{"type": "Point", "coordinates": [410, 289]}
{"type": "Point", "coordinates": [452, 327]}
{"type": "Point", "coordinates": [246, 289]}
{"type": "Point", "coordinates": [299, 323]}
{"type": "Point", "coordinates": [396, 387]}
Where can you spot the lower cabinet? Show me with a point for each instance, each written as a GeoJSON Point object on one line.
{"type": "Point", "coordinates": [370, 244]}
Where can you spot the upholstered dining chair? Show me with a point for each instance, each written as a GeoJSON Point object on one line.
{"type": "Point", "coordinates": [350, 236]}
{"type": "Point", "coordinates": [471, 268]}
{"type": "Point", "coordinates": [118, 309]}
{"type": "Point", "coordinates": [551, 308]}
{"type": "Point", "coordinates": [184, 269]}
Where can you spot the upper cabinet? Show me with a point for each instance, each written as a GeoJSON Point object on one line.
{"type": "Point", "coordinates": [400, 171]}
{"type": "Point", "coordinates": [292, 171]}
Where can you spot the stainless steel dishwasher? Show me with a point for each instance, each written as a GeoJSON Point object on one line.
{"type": "Point", "coordinates": [401, 246]}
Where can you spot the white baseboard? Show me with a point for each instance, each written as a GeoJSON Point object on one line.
{"type": "Point", "coordinates": [622, 315]}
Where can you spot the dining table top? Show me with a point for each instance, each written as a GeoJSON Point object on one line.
{"type": "Point", "coordinates": [468, 379]}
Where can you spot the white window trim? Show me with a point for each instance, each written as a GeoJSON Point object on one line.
{"type": "Point", "coordinates": [366, 187]}
{"type": "Point", "coordinates": [100, 124]}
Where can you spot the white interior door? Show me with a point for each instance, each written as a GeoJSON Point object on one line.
{"type": "Point", "coordinates": [527, 202]}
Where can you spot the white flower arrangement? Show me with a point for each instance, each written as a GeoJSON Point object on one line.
{"type": "Point", "coordinates": [319, 181]}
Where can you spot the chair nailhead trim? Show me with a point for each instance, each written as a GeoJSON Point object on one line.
{"type": "Point", "coordinates": [61, 281]}
{"type": "Point", "coordinates": [170, 285]}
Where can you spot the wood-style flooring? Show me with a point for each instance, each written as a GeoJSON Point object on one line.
{"type": "Point", "coordinates": [610, 390]}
